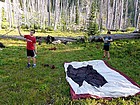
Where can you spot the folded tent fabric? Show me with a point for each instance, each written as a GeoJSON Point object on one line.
{"type": "Point", "coordinates": [87, 74]}
{"type": "Point", "coordinates": [117, 84]}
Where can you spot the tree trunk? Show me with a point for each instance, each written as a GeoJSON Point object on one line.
{"type": "Point", "coordinates": [113, 14]}
{"type": "Point", "coordinates": [8, 11]}
{"type": "Point", "coordinates": [100, 16]}
{"type": "Point", "coordinates": [0, 15]}
{"type": "Point", "coordinates": [67, 14]}
{"type": "Point", "coordinates": [42, 14]}
{"type": "Point", "coordinates": [87, 12]}
{"type": "Point", "coordinates": [49, 14]}
{"type": "Point", "coordinates": [136, 13]}
{"type": "Point", "coordinates": [126, 14]}
{"type": "Point", "coordinates": [138, 22]}
{"type": "Point", "coordinates": [25, 12]}
{"type": "Point", "coordinates": [121, 14]}
{"type": "Point", "coordinates": [17, 13]}
{"type": "Point", "coordinates": [57, 10]}
{"type": "Point", "coordinates": [71, 12]}
{"type": "Point", "coordinates": [79, 12]}
{"type": "Point", "coordinates": [108, 14]}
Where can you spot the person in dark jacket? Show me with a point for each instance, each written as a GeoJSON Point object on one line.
{"type": "Point", "coordinates": [107, 39]}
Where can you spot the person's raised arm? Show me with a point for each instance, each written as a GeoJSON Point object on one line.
{"type": "Point", "coordinates": [18, 27]}
{"type": "Point", "coordinates": [102, 38]}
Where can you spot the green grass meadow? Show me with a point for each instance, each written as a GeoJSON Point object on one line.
{"type": "Point", "coordinates": [45, 86]}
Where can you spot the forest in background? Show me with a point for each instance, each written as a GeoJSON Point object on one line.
{"type": "Point", "coordinates": [69, 14]}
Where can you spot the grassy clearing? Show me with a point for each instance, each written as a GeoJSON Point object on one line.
{"type": "Point", "coordinates": [43, 85]}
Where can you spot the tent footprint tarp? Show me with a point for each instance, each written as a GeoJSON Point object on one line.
{"type": "Point", "coordinates": [96, 79]}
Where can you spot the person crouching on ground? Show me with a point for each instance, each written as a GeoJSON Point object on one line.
{"type": "Point", "coordinates": [31, 47]}
{"type": "Point", "coordinates": [107, 39]}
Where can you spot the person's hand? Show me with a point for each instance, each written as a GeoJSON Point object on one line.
{"type": "Point", "coordinates": [110, 40]}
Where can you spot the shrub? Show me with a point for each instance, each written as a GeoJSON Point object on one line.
{"type": "Point", "coordinates": [36, 26]}
{"type": "Point", "coordinates": [43, 30]}
{"type": "Point", "coordinates": [25, 27]}
{"type": "Point", "coordinates": [130, 29]}
{"type": "Point", "coordinates": [92, 26]}
{"type": "Point", "coordinates": [92, 29]}
{"type": "Point", "coordinates": [5, 25]}
{"type": "Point", "coordinates": [49, 28]}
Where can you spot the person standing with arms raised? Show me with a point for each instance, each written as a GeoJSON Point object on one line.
{"type": "Point", "coordinates": [31, 47]}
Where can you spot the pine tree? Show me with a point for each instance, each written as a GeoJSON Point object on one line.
{"type": "Point", "coordinates": [92, 25]}
{"type": "Point", "coordinates": [77, 15]}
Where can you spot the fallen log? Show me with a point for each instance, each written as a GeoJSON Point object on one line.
{"type": "Point", "coordinates": [71, 39]}
{"type": "Point", "coordinates": [11, 37]}
{"type": "Point", "coordinates": [63, 39]}
{"type": "Point", "coordinates": [126, 36]}
{"type": "Point", "coordinates": [115, 37]}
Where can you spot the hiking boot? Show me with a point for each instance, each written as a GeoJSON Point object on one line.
{"type": "Point", "coordinates": [34, 65]}
{"type": "Point", "coordinates": [103, 57]}
{"type": "Point", "coordinates": [28, 65]}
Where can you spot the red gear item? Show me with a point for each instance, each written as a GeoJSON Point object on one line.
{"type": "Point", "coordinates": [31, 40]}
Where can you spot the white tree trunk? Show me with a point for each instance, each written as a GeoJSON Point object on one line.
{"type": "Point", "coordinates": [116, 15]}
{"type": "Point", "coordinates": [138, 22]}
{"type": "Point", "coordinates": [101, 15]}
{"type": "Point", "coordinates": [72, 12]}
{"type": "Point", "coordinates": [42, 21]}
{"type": "Point", "coordinates": [8, 12]}
{"type": "Point", "coordinates": [113, 15]}
{"type": "Point", "coordinates": [136, 13]}
{"type": "Point", "coordinates": [126, 14]}
{"type": "Point", "coordinates": [88, 9]}
{"type": "Point", "coordinates": [67, 13]}
{"type": "Point", "coordinates": [79, 12]}
{"type": "Point", "coordinates": [0, 15]}
{"type": "Point", "coordinates": [108, 14]}
{"type": "Point", "coordinates": [6, 9]}
{"type": "Point", "coordinates": [17, 13]}
{"type": "Point", "coordinates": [121, 14]}
{"type": "Point", "coordinates": [25, 12]}
{"type": "Point", "coordinates": [57, 11]}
